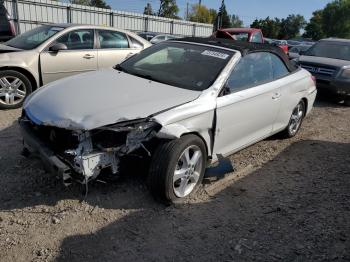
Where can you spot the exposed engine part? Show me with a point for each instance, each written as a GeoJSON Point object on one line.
{"type": "Point", "coordinates": [101, 149]}
{"type": "Point", "coordinates": [90, 163]}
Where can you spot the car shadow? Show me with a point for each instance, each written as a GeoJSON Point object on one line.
{"type": "Point", "coordinates": [328, 100]}
{"type": "Point", "coordinates": [294, 208]}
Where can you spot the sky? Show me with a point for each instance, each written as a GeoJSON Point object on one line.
{"type": "Point", "coordinates": [247, 10]}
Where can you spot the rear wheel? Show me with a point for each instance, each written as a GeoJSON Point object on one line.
{"type": "Point", "coordinates": [177, 168]}
{"type": "Point", "coordinates": [295, 120]}
{"type": "Point", "coordinates": [14, 88]}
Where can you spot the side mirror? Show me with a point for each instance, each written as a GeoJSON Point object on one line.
{"type": "Point", "coordinates": [58, 47]}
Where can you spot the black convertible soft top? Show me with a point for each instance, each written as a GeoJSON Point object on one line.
{"type": "Point", "coordinates": [243, 47]}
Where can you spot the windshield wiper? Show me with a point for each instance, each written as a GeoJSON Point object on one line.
{"type": "Point", "coordinates": [149, 77]}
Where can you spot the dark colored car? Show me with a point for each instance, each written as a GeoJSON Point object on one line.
{"type": "Point", "coordinates": [295, 51]}
{"type": "Point", "coordinates": [7, 27]}
{"type": "Point", "coordinates": [329, 61]}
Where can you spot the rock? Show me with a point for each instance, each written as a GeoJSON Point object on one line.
{"type": "Point", "coordinates": [238, 249]}
{"type": "Point", "coordinates": [55, 220]}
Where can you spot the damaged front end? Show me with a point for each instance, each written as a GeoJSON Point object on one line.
{"type": "Point", "coordinates": [82, 155]}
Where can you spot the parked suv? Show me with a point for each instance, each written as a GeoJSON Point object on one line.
{"type": "Point", "coordinates": [329, 61]}
{"type": "Point", "coordinates": [7, 27]}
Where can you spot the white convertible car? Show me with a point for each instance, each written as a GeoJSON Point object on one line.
{"type": "Point", "coordinates": [179, 104]}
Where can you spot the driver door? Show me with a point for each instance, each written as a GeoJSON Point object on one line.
{"type": "Point", "coordinates": [247, 109]}
{"type": "Point", "coordinates": [80, 57]}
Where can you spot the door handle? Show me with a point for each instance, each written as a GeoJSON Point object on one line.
{"type": "Point", "coordinates": [88, 56]}
{"type": "Point", "coordinates": [276, 96]}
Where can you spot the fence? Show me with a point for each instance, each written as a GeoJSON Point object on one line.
{"type": "Point", "coordinates": [28, 14]}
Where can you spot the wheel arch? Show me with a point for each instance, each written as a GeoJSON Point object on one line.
{"type": "Point", "coordinates": [304, 99]}
{"type": "Point", "coordinates": [25, 72]}
{"type": "Point", "coordinates": [203, 140]}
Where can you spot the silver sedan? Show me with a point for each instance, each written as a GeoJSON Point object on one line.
{"type": "Point", "coordinates": [181, 105]}
{"type": "Point", "coordinates": [51, 52]}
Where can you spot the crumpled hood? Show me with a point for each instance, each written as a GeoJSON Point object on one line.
{"type": "Point", "coordinates": [323, 61]}
{"type": "Point", "coordinates": [100, 98]}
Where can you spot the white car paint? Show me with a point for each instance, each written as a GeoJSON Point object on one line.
{"type": "Point", "coordinates": [225, 123]}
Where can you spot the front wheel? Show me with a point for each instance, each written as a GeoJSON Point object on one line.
{"type": "Point", "coordinates": [177, 168]}
{"type": "Point", "coordinates": [295, 120]}
{"type": "Point", "coordinates": [14, 88]}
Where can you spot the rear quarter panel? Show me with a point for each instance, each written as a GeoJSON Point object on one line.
{"type": "Point", "coordinates": [299, 85]}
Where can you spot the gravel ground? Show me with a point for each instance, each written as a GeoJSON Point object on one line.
{"type": "Point", "coordinates": [289, 201]}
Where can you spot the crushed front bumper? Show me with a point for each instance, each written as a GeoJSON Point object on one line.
{"type": "Point", "coordinates": [51, 162]}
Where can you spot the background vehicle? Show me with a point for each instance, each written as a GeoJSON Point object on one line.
{"type": "Point", "coordinates": [51, 52]}
{"type": "Point", "coordinates": [147, 35]}
{"type": "Point", "coordinates": [295, 51]}
{"type": "Point", "coordinates": [7, 27]}
{"type": "Point", "coordinates": [160, 38]}
{"type": "Point", "coordinates": [292, 43]}
{"type": "Point", "coordinates": [329, 61]}
{"type": "Point", "coordinates": [252, 35]}
{"type": "Point", "coordinates": [160, 107]}
{"type": "Point", "coordinates": [283, 44]}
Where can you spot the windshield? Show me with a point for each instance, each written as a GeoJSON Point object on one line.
{"type": "Point", "coordinates": [34, 38]}
{"type": "Point", "coordinates": [183, 65]}
{"type": "Point", "coordinates": [335, 50]}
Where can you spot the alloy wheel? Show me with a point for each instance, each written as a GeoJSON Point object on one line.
{"type": "Point", "coordinates": [296, 118]}
{"type": "Point", "coordinates": [12, 90]}
{"type": "Point", "coordinates": [188, 170]}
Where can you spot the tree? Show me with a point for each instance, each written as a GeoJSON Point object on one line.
{"type": "Point", "coordinates": [95, 3]}
{"type": "Point", "coordinates": [100, 4]}
{"type": "Point", "coordinates": [168, 8]}
{"type": "Point", "coordinates": [201, 14]}
{"type": "Point", "coordinates": [314, 28]}
{"type": "Point", "coordinates": [336, 19]}
{"type": "Point", "coordinates": [270, 27]}
{"type": "Point", "coordinates": [224, 18]}
{"type": "Point", "coordinates": [80, 2]}
{"type": "Point", "coordinates": [236, 21]}
{"type": "Point", "coordinates": [291, 26]}
{"type": "Point", "coordinates": [148, 10]}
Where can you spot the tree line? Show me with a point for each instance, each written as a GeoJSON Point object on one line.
{"type": "Point", "coordinates": [331, 21]}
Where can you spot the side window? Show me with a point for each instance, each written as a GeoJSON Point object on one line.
{"type": "Point", "coordinates": [252, 70]}
{"type": "Point", "coordinates": [135, 43]}
{"type": "Point", "coordinates": [112, 39]}
{"type": "Point", "coordinates": [78, 39]}
{"type": "Point", "coordinates": [257, 38]}
{"type": "Point", "coordinates": [279, 68]}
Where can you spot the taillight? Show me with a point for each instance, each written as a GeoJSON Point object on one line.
{"type": "Point", "coordinates": [313, 79]}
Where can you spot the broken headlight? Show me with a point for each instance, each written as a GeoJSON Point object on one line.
{"type": "Point", "coordinates": [124, 137]}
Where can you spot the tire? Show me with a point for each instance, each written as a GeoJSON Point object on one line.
{"type": "Point", "coordinates": [347, 101]}
{"type": "Point", "coordinates": [171, 156]}
{"type": "Point", "coordinates": [14, 88]}
{"type": "Point", "coordinates": [295, 120]}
